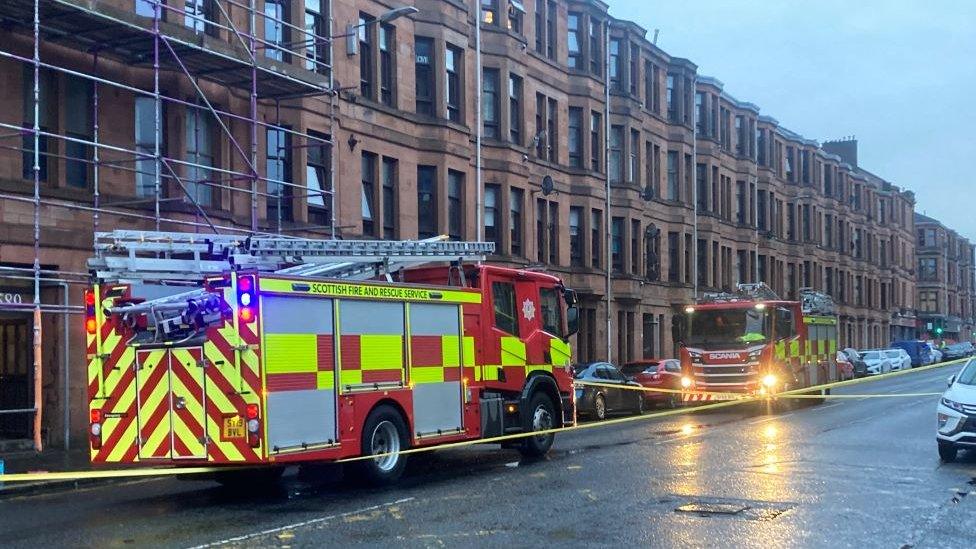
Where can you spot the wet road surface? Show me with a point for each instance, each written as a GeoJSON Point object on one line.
{"type": "Point", "coordinates": [850, 472]}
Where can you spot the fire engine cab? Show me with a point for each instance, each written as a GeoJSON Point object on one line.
{"type": "Point", "coordinates": [222, 350]}
{"type": "Point", "coordinates": [752, 343]}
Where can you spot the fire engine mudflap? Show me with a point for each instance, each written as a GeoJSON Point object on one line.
{"type": "Point", "coordinates": [269, 370]}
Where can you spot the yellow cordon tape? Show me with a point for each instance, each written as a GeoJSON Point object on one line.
{"type": "Point", "coordinates": [796, 393]}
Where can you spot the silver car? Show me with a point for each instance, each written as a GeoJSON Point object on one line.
{"type": "Point", "coordinates": [877, 361]}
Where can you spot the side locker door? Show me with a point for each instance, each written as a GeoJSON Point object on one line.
{"type": "Point", "coordinates": [435, 337]}
{"type": "Point", "coordinates": [299, 365]}
{"type": "Point", "coordinates": [152, 403]}
{"type": "Point", "coordinates": [188, 402]}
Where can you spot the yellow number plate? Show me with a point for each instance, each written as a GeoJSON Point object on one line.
{"type": "Point", "coordinates": [233, 427]}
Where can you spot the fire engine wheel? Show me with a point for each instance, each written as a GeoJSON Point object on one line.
{"type": "Point", "coordinates": [541, 418]}
{"type": "Point", "coordinates": [385, 435]}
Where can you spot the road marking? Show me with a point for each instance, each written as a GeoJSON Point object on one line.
{"type": "Point", "coordinates": [304, 523]}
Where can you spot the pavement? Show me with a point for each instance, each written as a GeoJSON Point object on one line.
{"type": "Point", "coordinates": [850, 472]}
{"type": "Point", "coordinates": [29, 461]}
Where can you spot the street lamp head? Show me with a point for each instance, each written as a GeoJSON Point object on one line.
{"type": "Point", "coordinates": [396, 13]}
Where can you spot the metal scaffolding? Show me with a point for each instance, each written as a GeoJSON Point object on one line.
{"type": "Point", "coordinates": [204, 45]}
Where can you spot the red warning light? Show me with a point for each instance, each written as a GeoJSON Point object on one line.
{"type": "Point", "coordinates": [89, 298]}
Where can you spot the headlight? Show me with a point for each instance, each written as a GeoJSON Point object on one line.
{"type": "Point", "coordinates": [753, 355]}
{"type": "Point", "coordinates": [952, 404]}
{"type": "Point", "coordinates": [769, 380]}
{"type": "Point", "coordinates": [686, 382]}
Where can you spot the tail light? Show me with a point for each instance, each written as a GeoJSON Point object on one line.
{"type": "Point", "coordinates": [91, 325]}
{"type": "Point", "coordinates": [95, 428]}
{"type": "Point", "coordinates": [246, 299]}
{"type": "Point", "coordinates": [253, 415]}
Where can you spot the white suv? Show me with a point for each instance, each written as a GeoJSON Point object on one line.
{"type": "Point", "coordinates": [957, 413]}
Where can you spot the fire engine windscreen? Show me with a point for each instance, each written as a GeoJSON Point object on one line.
{"type": "Point", "coordinates": [723, 327]}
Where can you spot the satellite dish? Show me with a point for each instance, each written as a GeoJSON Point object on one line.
{"type": "Point", "coordinates": [547, 185]}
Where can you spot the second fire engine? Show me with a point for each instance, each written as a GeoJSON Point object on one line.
{"type": "Point", "coordinates": [751, 343]}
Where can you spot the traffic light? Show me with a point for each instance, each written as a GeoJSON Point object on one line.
{"type": "Point", "coordinates": [938, 331]}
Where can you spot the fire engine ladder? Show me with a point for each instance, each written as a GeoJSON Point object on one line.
{"type": "Point", "coordinates": [817, 303]}
{"type": "Point", "coordinates": [151, 256]}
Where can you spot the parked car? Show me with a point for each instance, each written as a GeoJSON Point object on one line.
{"type": "Point", "coordinates": [899, 358]}
{"type": "Point", "coordinates": [956, 351]}
{"type": "Point", "coordinates": [936, 356]}
{"type": "Point", "coordinates": [656, 373]}
{"type": "Point", "coordinates": [956, 413]}
{"type": "Point", "coordinates": [919, 351]}
{"type": "Point", "coordinates": [600, 402]}
{"type": "Point", "coordinates": [968, 346]}
{"type": "Point", "coordinates": [860, 367]}
{"type": "Point", "coordinates": [876, 361]}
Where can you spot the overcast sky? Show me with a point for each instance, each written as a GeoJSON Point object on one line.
{"type": "Point", "coordinates": [898, 74]}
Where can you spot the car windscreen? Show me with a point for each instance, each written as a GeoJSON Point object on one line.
{"type": "Point", "coordinates": [968, 374]}
{"type": "Point", "coordinates": [871, 355]}
{"type": "Point", "coordinates": [635, 368]}
{"type": "Point", "coordinates": [711, 328]}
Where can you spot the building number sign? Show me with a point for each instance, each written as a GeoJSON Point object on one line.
{"type": "Point", "coordinates": [11, 298]}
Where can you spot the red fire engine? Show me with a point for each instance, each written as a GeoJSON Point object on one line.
{"type": "Point", "coordinates": [751, 343]}
{"type": "Point", "coordinates": [208, 349]}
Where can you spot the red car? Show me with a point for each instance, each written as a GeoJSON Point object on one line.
{"type": "Point", "coordinates": [657, 373]}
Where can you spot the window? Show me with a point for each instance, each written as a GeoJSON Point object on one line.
{"type": "Point", "coordinates": [928, 269]}
{"type": "Point", "coordinates": [673, 191]}
{"type": "Point", "coordinates": [541, 220]}
{"type": "Point", "coordinates": [652, 99]}
{"type": "Point", "coordinates": [506, 319]}
{"type": "Point", "coordinates": [928, 301]}
{"type": "Point", "coordinates": [515, 12]}
{"type": "Point", "coordinates": [515, 108]}
{"type": "Point", "coordinates": [673, 257]}
{"type": "Point", "coordinates": [550, 28]}
{"type": "Point", "coordinates": [424, 70]}
{"type": "Point", "coordinates": [616, 153]}
{"type": "Point", "coordinates": [596, 49]}
{"type": "Point", "coordinates": [632, 75]}
{"type": "Point", "coordinates": [197, 14]}
{"type": "Point", "coordinates": [652, 252]}
{"type": "Point", "coordinates": [316, 35]}
{"type": "Point", "coordinates": [616, 69]}
{"type": "Point", "coordinates": [455, 204]}
{"type": "Point", "coordinates": [553, 230]}
{"type": "Point", "coordinates": [670, 99]}
{"type": "Point", "coordinates": [147, 8]}
{"type": "Point", "coordinates": [552, 130]}
{"type": "Point", "coordinates": [633, 174]}
{"type": "Point", "coordinates": [492, 229]}
{"type": "Point", "coordinates": [489, 12]}
{"type": "Point", "coordinates": [702, 263]}
{"type": "Point", "coordinates": [926, 237]}
{"type": "Point", "coordinates": [145, 141]}
{"type": "Point", "coordinates": [575, 236]}
{"type": "Point", "coordinates": [78, 124]}
{"type": "Point", "coordinates": [761, 147]}
{"type": "Point", "coordinates": [740, 135]}
{"type": "Point", "coordinates": [200, 156]}
{"type": "Point", "coordinates": [540, 27]}
{"type": "Point", "coordinates": [688, 264]}
{"type": "Point", "coordinates": [368, 193]}
{"type": "Point", "coordinates": [275, 31]}
{"type": "Point", "coordinates": [452, 95]}
{"type": "Point", "coordinates": [596, 235]}
{"type": "Point", "coordinates": [427, 202]}
{"type": "Point", "coordinates": [595, 144]}
{"type": "Point", "coordinates": [388, 65]}
{"type": "Point", "coordinates": [552, 313]}
{"type": "Point", "coordinates": [701, 180]}
{"type": "Point", "coordinates": [389, 177]}
{"type": "Point", "coordinates": [701, 120]}
{"type": "Point", "coordinates": [789, 164]}
{"type": "Point", "coordinates": [366, 38]}
{"type": "Point", "coordinates": [318, 165]}
{"type": "Point", "coordinates": [575, 137]}
{"type": "Point", "coordinates": [489, 103]}
{"type": "Point", "coordinates": [617, 244]}
{"type": "Point", "coordinates": [573, 41]}
{"type": "Point", "coordinates": [515, 199]}
{"type": "Point", "coordinates": [279, 173]}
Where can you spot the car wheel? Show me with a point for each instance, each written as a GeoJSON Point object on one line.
{"type": "Point", "coordinates": [541, 418]}
{"type": "Point", "coordinates": [384, 434]}
{"type": "Point", "coordinates": [947, 451]}
{"type": "Point", "coordinates": [673, 400]}
{"type": "Point", "coordinates": [599, 407]}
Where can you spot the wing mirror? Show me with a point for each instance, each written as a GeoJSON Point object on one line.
{"type": "Point", "coordinates": [952, 379]}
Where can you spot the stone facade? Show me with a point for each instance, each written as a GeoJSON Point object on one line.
{"type": "Point", "coordinates": [705, 190]}
{"type": "Point", "coordinates": [945, 282]}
